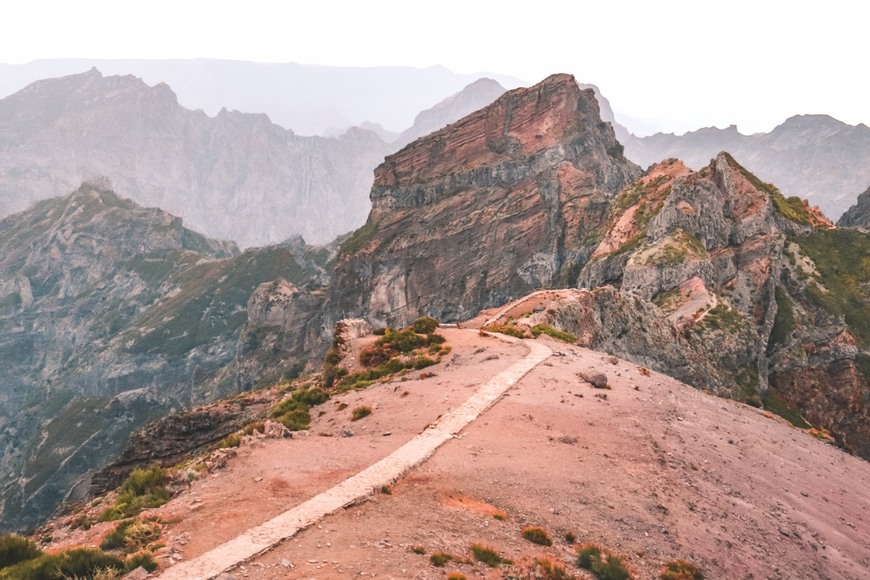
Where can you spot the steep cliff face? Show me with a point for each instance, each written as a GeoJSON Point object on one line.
{"type": "Point", "coordinates": [857, 216]}
{"type": "Point", "coordinates": [485, 210]}
{"type": "Point", "coordinates": [112, 315]}
{"type": "Point", "coordinates": [233, 176]}
{"type": "Point", "coordinates": [756, 284]}
{"type": "Point", "coordinates": [815, 157]}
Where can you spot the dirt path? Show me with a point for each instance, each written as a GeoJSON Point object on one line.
{"type": "Point", "coordinates": [263, 537]}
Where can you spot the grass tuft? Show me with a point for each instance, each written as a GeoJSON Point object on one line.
{"type": "Point", "coordinates": [488, 556]}
{"type": "Point", "coordinates": [537, 535]}
{"type": "Point", "coordinates": [681, 570]}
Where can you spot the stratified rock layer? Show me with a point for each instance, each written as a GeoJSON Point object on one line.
{"type": "Point", "coordinates": [485, 210]}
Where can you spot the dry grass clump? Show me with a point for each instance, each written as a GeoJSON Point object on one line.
{"type": "Point", "coordinates": [488, 555]}
{"type": "Point", "coordinates": [360, 412]}
{"type": "Point", "coordinates": [602, 563]}
{"type": "Point", "coordinates": [681, 570]}
{"type": "Point", "coordinates": [537, 535]}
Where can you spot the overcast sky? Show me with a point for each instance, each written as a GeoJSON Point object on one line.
{"type": "Point", "coordinates": [689, 63]}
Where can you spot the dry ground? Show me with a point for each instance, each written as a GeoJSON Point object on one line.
{"type": "Point", "coordinates": [651, 468]}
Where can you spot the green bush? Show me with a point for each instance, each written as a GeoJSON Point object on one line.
{"type": "Point", "coordinates": [294, 411]}
{"type": "Point", "coordinates": [131, 535]}
{"type": "Point", "coordinates": [360, 412]}
{"type": "Point", "coordinates": [602, 564]}
{"type": "Point", "coordinates": [488, 556]}
{"type": "Point", "coordinates": [439, 559]}
{"type": "Point", "coordinates": [539, 329]}
{"type": "Point", "coordinates": [402, 341]}
{"type": "Point", "coordinates": [425, 325]}
{"type": "Point", "coordinates": [74, 563]}
{"type": "Point", "coordinates": [681, 570]}
{"type": "Point", "coordinates": [505, 329]}
{"type": "Point", "coordinates": [143, 559]}
{"type": "Point", "coordinates": [143, 489]}
{"type": "Point", "coordinates": [537, 535]}
{"type": "Point", "coordinates": [15, 549]}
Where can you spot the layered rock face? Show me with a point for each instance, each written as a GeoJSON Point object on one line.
{"type": "Point", "coordinates": [487, 209]}
{"type": "Point", "coordinates": [815, 157]}
{"type": "Point", "coordinates": [755, 284]}
{"type": "Point", "coordinates": [858, 216]}
{"type": "Point", "coordinates": [112, 315]}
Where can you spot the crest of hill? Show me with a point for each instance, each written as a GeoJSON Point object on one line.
{"type": "Point", "coordinates": [499, 199]}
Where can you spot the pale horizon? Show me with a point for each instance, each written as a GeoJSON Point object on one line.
{"type": "Point", "coordinates": [675, 66]}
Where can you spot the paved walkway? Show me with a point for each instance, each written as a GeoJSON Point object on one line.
{"type": "Point", "coordinates": [385, 472]}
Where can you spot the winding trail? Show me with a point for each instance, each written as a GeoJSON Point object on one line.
{"type": "Point", "coordinates": [264, 537]}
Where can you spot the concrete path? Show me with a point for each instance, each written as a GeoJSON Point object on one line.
{"type": "Point", "coordinates": [385, 472]}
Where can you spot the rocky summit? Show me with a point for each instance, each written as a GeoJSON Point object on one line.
{"type": "Point", "coordinates": [485, 210]}
{"type": "Point", "coordinates": [858, 216]}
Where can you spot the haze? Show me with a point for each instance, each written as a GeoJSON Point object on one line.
{"type": "Point", "coordinates": [670, 66]}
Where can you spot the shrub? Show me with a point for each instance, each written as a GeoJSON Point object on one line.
{"type": "Point", "coordinates": [507, 329]}
{"type": "Point", "coordinates": [425, 325]}
{"type": "Point", "coordinates": [233, 440]}
{"type": "Point", "coordinates": [602, 564]}
{"type": "Point", "coordinates": [402, 341]}
{"type": "Point", "coordinates": [360, 412]}
{"type": "Point", "coordinates": [539, 329]}
{"type": "Point", "coordinates": [77, 562]}
{"type": "Point", "coordinates": [439, 559]}
{"type": "Point", "coordinates": [537, 535]}
{"type": "Point", "coordinates": [293, 412]}
{"type": "Point", "coordinates": [488, 555]}
{"type": "Point", "coordinates": [143, 559]}
{"type": "Point", "coordinates": [144, 488]}
{"type": "Point", "coordinates": [132, 535]}
{"type": "Point", "coordinates": [15, 549]}
{"type": "Point", "coordinates": [375, 355]}
{"type": "Point", "coordinates": [681, 570]}
{"type": "Point", "coordinates": [546, 569]}
{"type": "Point", "coordinates": [420, 550]}
{"type": "Point", "coordinates": [455, 576]}
{"type": "Point", "coordinates": [570, 538]}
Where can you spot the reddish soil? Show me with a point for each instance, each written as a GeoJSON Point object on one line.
{"type": "Point", "coordinates": [650, 469]}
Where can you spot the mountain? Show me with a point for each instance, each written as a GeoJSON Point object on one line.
{"type": "Point", "coordinates": [234, 176]}
{"type": "Point", "coordinates": [475, 96]}
{"type": "Point", "coordinates": [713, 277]}
{"type": "Point", "coordinates": [112, 315]}
{"type": "Point", "coordinates": [485, 210]}
{"type": "Point", "coordinates": [307, 99]}
{"type": "Point", "coordinates": [815, 157]}
{"type": "Point", "coordinates": [857, 216]}
{"type": "Point", "coordinates": [648, 469]}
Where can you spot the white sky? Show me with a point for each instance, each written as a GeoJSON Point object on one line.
{"type": "Point", "coordinates": [693, 63]}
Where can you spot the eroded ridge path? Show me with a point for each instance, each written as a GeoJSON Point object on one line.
{"type": "Point", "coordinates": [264, 537]}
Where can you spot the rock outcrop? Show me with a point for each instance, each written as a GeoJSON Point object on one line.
{"type": "Point", "coordinates": [857, 216]}
{"type": "Point", "coordinates": [485, 210]}
{"type": "Point", "coordinates": [814, 157]}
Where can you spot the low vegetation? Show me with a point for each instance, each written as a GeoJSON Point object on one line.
{"type": "Point", "coordinates": [507, 329]}
{"type": "Point", "coordinates": [15, 549]}
{"type": "Point", "coordinates": [73, 563]}
{"type": "Point", "coordinates": [537, 535]}
{"type": "Point", "coordinates": [144, 488]}
{"type": "Point", "coordinates": [439, 559]}
{"type": "Point", "coordinates": [783, 322]}
{"type": "Point", "coordinates": [842, 259]}
{"type": "Point", "coordinates": [775, 404]}
{"type": "Point", "coordinates": [601, 563]}
{"type": "Point", "coordinates": [681, 570]}
{"type": "Point", "coordinates": [360, 412]}
{"type": "Point", "coordinates": [132, 536]}
{"type": "Point", "coordinates": [488, 556]}
{"type": "Point", "coordinates": [539, 329]}
{"type": "Point", "coordinates": [294, 411]}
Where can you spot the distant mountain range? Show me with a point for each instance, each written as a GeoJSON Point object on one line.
{"type": "Point", "coordinates": [307, 99]}
{"type": "Point", "coordinates": [814, 157]}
